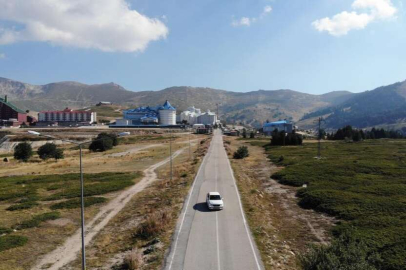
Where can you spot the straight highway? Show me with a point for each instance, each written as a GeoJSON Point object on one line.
{"type": "Point", "coordinates": [213, 240]}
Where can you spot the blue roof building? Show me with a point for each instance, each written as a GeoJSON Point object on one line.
{"type": "Point", "coordinates": [285, 125]}
{"type": "Point", "coordinates": [164, 115]}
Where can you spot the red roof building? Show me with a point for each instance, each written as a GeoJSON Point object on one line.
{"type": "Point", "coordinates": [67, 115]}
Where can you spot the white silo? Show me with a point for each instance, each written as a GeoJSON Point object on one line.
{"type": "Point", "coordinates": [167, 114]}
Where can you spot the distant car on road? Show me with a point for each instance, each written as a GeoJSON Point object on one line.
{"type": "Point", "coordinates": [214, 201]}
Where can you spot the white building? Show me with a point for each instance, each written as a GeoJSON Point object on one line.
{"type": "Point", "coordinates": [190, 115]}
{"type": "Point", "coordinates": [207, 118]}
{"type": "Point", "coordinates": [167, 114]}
{"type": "Point", "coordinates": [67, 115]}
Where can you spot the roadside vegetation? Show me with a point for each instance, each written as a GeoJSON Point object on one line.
{"type": "Point", "coordinates": [241, 153]}
{"type": "Point", "coordinates": [364, 185]}
{"type": "Point", "coordinates": [279, 226]}
{"type": "Point", "coordinates": [350, 133]}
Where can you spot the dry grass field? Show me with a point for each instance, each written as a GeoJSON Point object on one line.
{"type": "Point", "coordinates": [39, 204]}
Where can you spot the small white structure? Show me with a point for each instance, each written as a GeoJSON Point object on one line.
{"type": "Point", "coordinates": [207, 118]}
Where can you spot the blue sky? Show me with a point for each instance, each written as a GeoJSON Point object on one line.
{"type": "Point", "coordinates": [203, 43]}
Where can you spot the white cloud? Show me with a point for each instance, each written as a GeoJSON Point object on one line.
{"type": "Point", "coordinates": [106, 25]}
{"type": "Point", "coordinates": [245, 21]}
{"type": "Point", "coordinates": [2, 55]}
{"type": "Point", "coordinates": [267, 9]}
{"type": "Point", "coordinates": [345, 21]}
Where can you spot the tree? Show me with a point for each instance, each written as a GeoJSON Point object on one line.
{"type": "Point", "coordinates": [23, 151]}
{"type": "Point", "coordinates": [59, 154]}
{"type": "Point", "coordinates": [101, 145]}
{"type": "Point", "coordinates": [241, 153]}
{"type": "Point", "coordinates": [49, 150]}
{"type": "Point", "coordinates": [252, 135]}
{"type": "Point", "coordinates": [244, 133]}
{"type": "Point", "coordinates": [322, 134]}
{"type": "Point", "coordinates": [111, 136]}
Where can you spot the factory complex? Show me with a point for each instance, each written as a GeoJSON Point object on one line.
{"type": "Point", "coordinates": [165, 116]}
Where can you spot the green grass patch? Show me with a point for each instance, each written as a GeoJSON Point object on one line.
{"type": "Point", "coordinates": [12, 241]}
{"type": "Point", "coordinates": [76, 203]}
{"type": "Point", "coordinates": [98, 185]}
{"type": "Point", "coordinates": [4, 230]}
{"type": "Point", "coordinates": [37, 220]}
{"type": "Point", "coordinates": [24, 189]}
{"type": "Point", "coordinates": [363, 184]}
{"type": "Point", "coordinates": [22, 206]}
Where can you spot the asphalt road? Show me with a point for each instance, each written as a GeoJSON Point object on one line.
{"type": "Point", "coordinates": [206, 240]}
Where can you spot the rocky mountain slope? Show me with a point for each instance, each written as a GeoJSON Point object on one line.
{"type": "Point", "coordinates": [252, 108]}
{"type": "Point", "coordinates": [384, 106]}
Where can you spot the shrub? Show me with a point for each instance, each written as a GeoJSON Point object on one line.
{"type": "Point", "coordinates": [23, 151]}
{"type": "Point", "coordinates": [241, 153]}
{"type": "Point", "coordinates": [76, 203]}
{"type": "Point", "coordinates": [343, 253]}
{"type": "Point", "coordinates": [22, 206]}
{"type": "Point", "coordinates": [152, 226]}
{"type": "Point", "coordinates": [12, 241]}
{"type": "Point", "coordinates": [4, 230]}
{"type": "Point", "coordinates": [49, 150]}
{"type": "Point", "coordinates": [37, 220]}
{"type": "Point", "coordinates": [133, 261]}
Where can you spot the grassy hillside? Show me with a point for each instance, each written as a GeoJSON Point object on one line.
{"type": "Point", "coordinates": [383, 106]}
{"type": "Point", "coordinates": [363, 184]}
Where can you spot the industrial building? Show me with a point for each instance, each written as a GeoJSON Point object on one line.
{"type": "Point", "coordinates": [285, 125]}
{"type": "Point", "coordinates": [207, 118]}
{"type": "Point", "coordinates": [195, 116]}
{"type": "Point", "coordinates": [10, 115]}
{"type": "Point", "coordinates": [164, 115]}
{"type": "Point", "coordinates": [67, 117]}
{"type": "Point", "coordinates": [190, 115]}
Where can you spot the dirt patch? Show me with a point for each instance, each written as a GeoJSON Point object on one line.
{"type": "Point", "coordinates": [60, 222]}
{"type": "Point", "coordinates": [281, 228]}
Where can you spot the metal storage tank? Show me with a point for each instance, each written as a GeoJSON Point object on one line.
{"type": "Point", "coordinates": [167, 114]}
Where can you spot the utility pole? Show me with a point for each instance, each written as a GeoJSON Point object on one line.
{"type": "Point", "coordinates": [82, 189]}
{"type": "Point", "coordinates": [190, 150]}
{"type": "Point", "coordinates": [82, 204]}
{"type": "Point", "coordinates": [170, 152]}
{"type": "Point", "coordinates": [319, 143]}
{"type": "Point", "coordinates": [284, 133]}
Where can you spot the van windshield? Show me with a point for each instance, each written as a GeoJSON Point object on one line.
{"type": "Point", "coordinates": [215, 197]}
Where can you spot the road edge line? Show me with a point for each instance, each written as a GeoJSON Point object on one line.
{"type": "Point", "coordinates": [243, 215]}
{"type": "Point", "coordinates": [185, 209]}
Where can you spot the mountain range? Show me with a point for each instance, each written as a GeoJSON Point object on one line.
{"type": "Point", "coordinates": [380, 106]}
